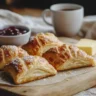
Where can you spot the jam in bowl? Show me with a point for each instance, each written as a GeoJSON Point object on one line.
{"type": "Point", "coordinates": [13, 31]}
{"type": "Point", "coordinates": [15, 35]}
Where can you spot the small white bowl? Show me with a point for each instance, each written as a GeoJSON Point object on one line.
{"type": "Point", "coordinates": [18, 39]}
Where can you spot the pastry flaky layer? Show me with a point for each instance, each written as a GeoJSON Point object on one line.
{"type": "Point", "coordinates": [68, 57]}
{"type": "Point", "coordinates": [41, 43]}
{"type": "Point", "coordinates": [29, 68]}
{"type": "Point", "coordinates": [8, 53]}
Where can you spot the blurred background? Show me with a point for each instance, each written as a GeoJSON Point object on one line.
{"type": "Point", "coordinates": [35, 7]}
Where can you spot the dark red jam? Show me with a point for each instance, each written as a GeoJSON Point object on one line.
{"type": "Point", "coordinates": [12, 31]}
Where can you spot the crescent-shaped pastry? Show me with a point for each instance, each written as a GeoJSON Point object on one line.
{"type": "Point", "coordinates": [68, 57]}
{"type": "Point", "coordinates": [29, 68]}
{"type": "Point", "coordinates": [9, 52]}
{"type": "Point", "coordinates": [41, 43]}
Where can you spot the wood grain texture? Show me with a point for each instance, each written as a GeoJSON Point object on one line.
{"type": "Point", "coordinates": [67, 87]}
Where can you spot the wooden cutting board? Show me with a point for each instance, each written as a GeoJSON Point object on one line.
{"type": "Point", "coordinates": [66, 87]}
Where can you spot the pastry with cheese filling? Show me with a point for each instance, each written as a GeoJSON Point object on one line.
{"type": "Point", "coordinates": [68, 57]}
{"type": "Point", "coordinates": [41, 43]}
{"type": "Point", "coordinates": [9, 52]}
{"type": "Point", "coordinates": [29, 68]}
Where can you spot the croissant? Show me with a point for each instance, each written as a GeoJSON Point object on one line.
{"type": "Point", "coordinates": [68, 57]}
{"type": "Point", "coordinates": [9, 52]}
{"type": "Point", "coordinates": [41, 43]}
{"type": "Point", "coordinates": [29, 68]}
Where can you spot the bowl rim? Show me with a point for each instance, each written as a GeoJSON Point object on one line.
{"type": "Point", "coordinates": [29, 31]}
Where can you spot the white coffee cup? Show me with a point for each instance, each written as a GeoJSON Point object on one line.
{"type": "Point", "coordinates": [67, 18]}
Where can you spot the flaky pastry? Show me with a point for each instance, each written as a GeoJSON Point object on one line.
{"type": "Point", "coordinates": [68, 57]}
{"type": "Point", "coordinates": [41, 43]}
{"type": "Point", "coordinates": [29, 68]}
{"type": "Point", "coordinates": [9, 52]}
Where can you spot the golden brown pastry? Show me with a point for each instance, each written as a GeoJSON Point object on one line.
{"type": "Point", "coordinates": [9, 52]}
{"type": "Point", "coordinates": [41, 43]}
{"type": "Point", "coordinates": [68, 57]}
{"type": "Point", "coordinates": [29, 68]}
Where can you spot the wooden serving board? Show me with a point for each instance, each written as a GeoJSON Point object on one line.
{"type": "Point", "coordinates": [67, 87]}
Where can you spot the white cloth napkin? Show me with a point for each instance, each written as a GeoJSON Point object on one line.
{"type": "Point", "coordinates": [36, 24]}
{"type": "Point", "coordinates": [89, 27]}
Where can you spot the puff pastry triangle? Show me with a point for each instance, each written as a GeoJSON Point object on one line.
{"type": "Point", "coordinates": [68, 57]}
{"type": "Point", "coordinates": [29, 68]}
{"type": "Point", "coordinates": [41, 43]}
{"type": "Point", "coordinates": [9, 52]}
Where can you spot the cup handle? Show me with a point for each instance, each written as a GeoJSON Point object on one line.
{"type": "Point", "coordinates": [44, 17]}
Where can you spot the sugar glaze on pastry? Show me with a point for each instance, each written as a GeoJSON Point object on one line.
{"type": "Point", "coordinates": [9, 52]}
